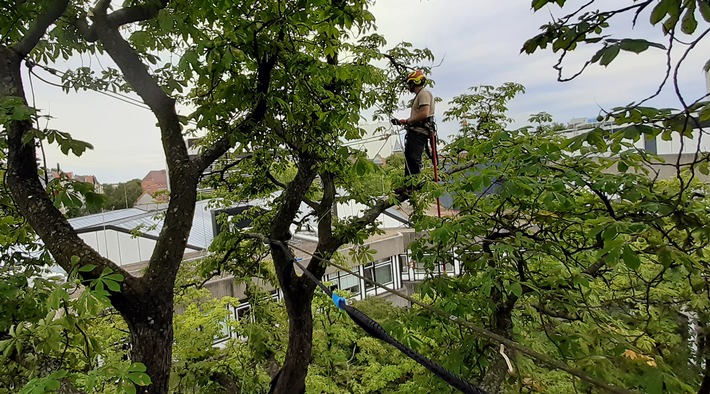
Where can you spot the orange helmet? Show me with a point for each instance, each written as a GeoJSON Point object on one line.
{"type": "Point", "coordinates": [416, 77]}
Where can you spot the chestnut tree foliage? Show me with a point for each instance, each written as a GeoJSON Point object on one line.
{"type": "Point", "coordinates": [575, 247]}
{"type": "Point", "coordinates": [277, 83]}
{"type": "Point", "coordinates": [588, 247]}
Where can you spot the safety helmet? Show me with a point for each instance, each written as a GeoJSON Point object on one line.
{"type": "Point", "coordinates": [416, 77]}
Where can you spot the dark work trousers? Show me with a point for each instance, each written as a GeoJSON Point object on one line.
{"type": "Point", "coordinates": [414, 146]}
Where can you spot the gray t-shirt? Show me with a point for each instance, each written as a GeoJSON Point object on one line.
{"type": "Point", "coordinates": [423, 98]}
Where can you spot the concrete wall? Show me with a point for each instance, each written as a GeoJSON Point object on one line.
{"type": "Point", "coordinates": [356, 209]}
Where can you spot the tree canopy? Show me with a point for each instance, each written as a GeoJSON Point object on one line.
{"type": "Point", "coordinates": [574, 248]}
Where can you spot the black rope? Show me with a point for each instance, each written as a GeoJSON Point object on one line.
{"type": "Point", "coordinates": [375, 330]}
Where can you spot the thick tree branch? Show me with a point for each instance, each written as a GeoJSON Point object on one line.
{"type": "Point", "coordinates": [327, 244]}
{"type": "Point", "coordinates": [226, 381]}
{"type": "Point", "coordinates": [55, 9]}
{"type": "Point", "coordinates": [29, 194]}
{"type": "Point", "coordinates": [169, 249]}
{"type": "Point", "coordinates": [555, 314]}
{"type": "Point", "coordinates": [263, 82]}
{"type": "Point", "coordinates": [138, 13]}
{"type": "Point", "coordinates": [136, 74]}
{"type": "Point", "coordinates": [124, 16]}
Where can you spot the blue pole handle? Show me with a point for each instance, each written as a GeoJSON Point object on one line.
{"type": "Point", "coordinates": [338, 301]}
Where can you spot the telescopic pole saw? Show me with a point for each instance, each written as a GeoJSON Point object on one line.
{"type": "Point", "coordinates": [435, 161]}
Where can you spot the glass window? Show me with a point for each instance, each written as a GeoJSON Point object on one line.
{"type": "Point", "coordinates": [419, 267]}
{"type": "Point", "coordinates": [403, 263]}
{"type": "Point", "coordinates": [224, 332]}
{"type": "Point", "coordinates": [243, 312]}
{"type": "Point", "coordinates": [383, 274]}
{"type": "Point", "coordinates": [369, 273]}
{"type": "Point", "coordinates": [350, 283]}
{"type": "Point", "coordinates": [449, 268]}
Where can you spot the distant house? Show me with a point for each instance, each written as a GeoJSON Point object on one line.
{"type": "Point", "coordinates": [147, 202]}
{"type": "Point", "coordinates": [92, 180]}
{"type": "Point", "coordinates": [56, 174]}
{"type": "Point", "coordinates": [155, 181]}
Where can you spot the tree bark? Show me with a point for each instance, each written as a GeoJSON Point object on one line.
{"type": "Point", "coordinates": [704, 351]}
{"type": "Point", "coordinates": [291, 379]}
{"type": "Point", "coordinates": [149, 316]}
{"type": "Point", "coordinates": [502, 325]}
{"type": "Point", "coordinates": [498, 369]}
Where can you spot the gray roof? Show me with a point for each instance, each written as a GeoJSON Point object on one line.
{"type": "Point", "coordinates": [104, 217]}
{"type": "Point", "coordinates": [149, 224]}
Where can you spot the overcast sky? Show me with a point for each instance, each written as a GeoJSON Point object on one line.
{"type": "Point", "coordinates": [477, 42]}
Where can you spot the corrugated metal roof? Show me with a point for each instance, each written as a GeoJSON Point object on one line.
{"type": "Point", "coordinates": [150, 223]}
{"type": "Point", "coordinates": [104, 217]}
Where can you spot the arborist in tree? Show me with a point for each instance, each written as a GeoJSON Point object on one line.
{"type": "Point", "coordinates": [420, 129]}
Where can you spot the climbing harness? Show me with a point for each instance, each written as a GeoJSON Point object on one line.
{"type": "Point", "coordinates": [431, 150]}
{"type": "Point", "coordinates": [375, 330]}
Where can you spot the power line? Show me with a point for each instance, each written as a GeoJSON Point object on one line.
{"type": "Point", "coordinates": [114, 95]}
{"type": "Point", "coordinates": [140, 104]}
{"type": "Point", "coordinates": [484, 332]}
{"type": "Point", "coordinates": [121, 97]}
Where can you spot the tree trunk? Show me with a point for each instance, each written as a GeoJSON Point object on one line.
{"type": "Point", "coordinates": [704, 351]}
{"type": "Point", "coordinates": [502, 325]}
{"type": "Point", "coordinates": [498, 369]}
{"type": "Point", "coordinates": [150, 323]}
{"type": "Point", "coordinates": [292, 377]}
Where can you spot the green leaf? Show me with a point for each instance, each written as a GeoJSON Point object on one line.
{"type": "Point", "coordinates": [87, 268]}
{"type": "Point", "coordinates": [140, 378]}
{"type": "Point", "coordinates": [653, 382]}
{"type": "Point", "coordinates": [622, 166]}
{"type": "Point", "coordinates": [55, 298]}
{"type": "Point", "coordinates": [596, 138]}
{"type": "Point", "coordinates": [113, 285]}
{"type": "Point", "coordinates": [659, 11]}
{"type": "Point", "coordinates": [360, 167]}
{"type": "Point", "coordinates": [516, 289]}
{"type": "Point", "coordinates": [609, 55]}
{"type": "Point", "coordinates": [665, 257]}
{"type": "Point", "coordinates": [704, 114]}
{"type": "Point", "coordinates": [580, 280]}
{"type": "Point", "coordinates": [631, 132]}
{"type": "Point", "coordinates": [704, 7]}
{"type": "Point", "coordinates": [114, 277]}
{"type": "Point", "coordinates": [635, 46]}
{"type": "Point", "coordinates": [631, 259]}
{"type": "Point", "coordinates": [137, 367]}
{"type": "Point", "coordinates": [609, 233]}
{"type": "Point", "coordinates": [22, 112]}
{"type": "Point", "coordinates": [128, 388]}
{"type": "Point", "coordinates": [537, 4]}
{"type": "Point", "coordinates": [689, 24]}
